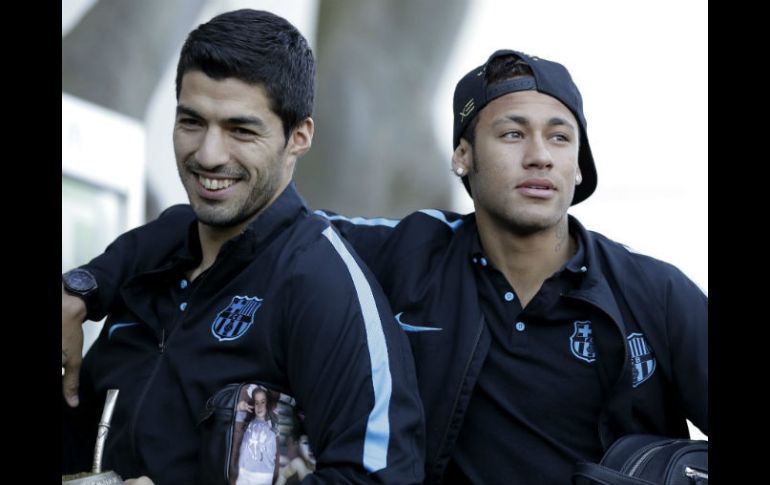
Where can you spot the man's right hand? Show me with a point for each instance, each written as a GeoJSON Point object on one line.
{"type": "Point", "coordinates": [73, 312]}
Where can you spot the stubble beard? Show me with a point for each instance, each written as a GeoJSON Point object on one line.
{"type": "Point", "coordinates": [510, 218]}
{"type": "Point", "coordinates": [224, 214]}
{"type": "Point", "coordinates": [217, 214]}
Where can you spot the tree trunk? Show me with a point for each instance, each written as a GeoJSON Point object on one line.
{"type": "Point", "coordinates": [374, 151]}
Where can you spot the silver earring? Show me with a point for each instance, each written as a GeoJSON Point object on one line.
{"type": "Point", "coordinates": [460, 171]}
{"type": "Point", "coordinates": [578, 179]}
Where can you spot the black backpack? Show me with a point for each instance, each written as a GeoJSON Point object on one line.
{"type": "Point", "coordinates": [642, 459]}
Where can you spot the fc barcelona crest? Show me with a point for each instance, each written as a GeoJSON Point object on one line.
{"type": "Point", "coordinates": [582, 341]}
{"type": "Point", "coordinates": [642, 358]}
{"type": "Point", "coordinates": [232, 322]}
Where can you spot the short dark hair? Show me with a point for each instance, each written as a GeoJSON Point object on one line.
{"type": "Point", "coordinates": [255, 47]}
{"type": "Point", "coordinates": [499, 69]}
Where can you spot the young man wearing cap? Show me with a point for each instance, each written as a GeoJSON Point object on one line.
{"type": "Point", "coordinates": [537, 342]}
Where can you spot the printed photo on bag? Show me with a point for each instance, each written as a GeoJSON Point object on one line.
{"type": "Point", "coordinates": [298, 460]}
{"type": "Point", "coordinates": [269, 446]}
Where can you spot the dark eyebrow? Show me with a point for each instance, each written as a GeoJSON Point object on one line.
{"type": "Point", "coordinates": [560, 122]}
{"type": "Point", "coordinates": [184, 110]}
{"type": "Point", "coordinates": [555, 121]}
{"type": "Point", "coordinates": [245, 120]}
{"type": "Point", "coordinates": [235, 120]}
{"type": "Point", "coordinates": [516, 119]}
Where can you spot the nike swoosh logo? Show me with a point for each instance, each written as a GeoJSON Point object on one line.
{"type": "Point", "coordinates": [119, 325]}
{"type": "Point", "coordinates": [415, 328]}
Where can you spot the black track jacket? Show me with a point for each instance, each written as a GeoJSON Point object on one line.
{"type": "Point", "coordinates": [423, 264]}
{"type": "Point", "coordinates": [322, 331]}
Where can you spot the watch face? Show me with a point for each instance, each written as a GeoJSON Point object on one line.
{"type": "Point", "coordinates": [79, 280]}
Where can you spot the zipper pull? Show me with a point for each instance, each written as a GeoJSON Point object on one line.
{"type": "Point", "coordinates": [162, 343]}
{"type": "Point", "coordinates": [695, 473]}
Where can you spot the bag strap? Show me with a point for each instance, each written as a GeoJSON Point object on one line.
{"type": "Point", "coordinates": [594, 474]}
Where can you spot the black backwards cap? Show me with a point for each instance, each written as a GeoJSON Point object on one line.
{"type": "Point", "coordinates": [473, 93]}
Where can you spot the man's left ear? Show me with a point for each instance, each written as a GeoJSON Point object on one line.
{"type": "Point", "coordinates": [578, 177]}
{"type": "Point", "coordinates": [301, 138]}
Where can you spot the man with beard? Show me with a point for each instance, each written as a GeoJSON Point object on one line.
{"type": "Point", "coordinates": [537, 342]}
{"type": "Point", "coordinates": [255, 287]}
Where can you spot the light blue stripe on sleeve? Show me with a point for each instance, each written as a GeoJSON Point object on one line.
{"type": "Point", "coordinates": [360, 221]}
{"type": "Point", "coordinates": [437, 214]}
{"type": "Point", "coordinates": [377, 427]}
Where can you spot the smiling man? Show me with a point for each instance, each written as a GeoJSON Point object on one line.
{"type": "Point", "coordinates": [254, 288]}
{"type": "Point", "coordinates": [537, 342]}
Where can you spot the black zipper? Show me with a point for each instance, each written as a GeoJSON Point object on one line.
{"type": "Point", "coordinates": [645, 456]}
{"type": "Point", "coordinates": [132, 428]}
{"type": "Point", "coordinates": [162, 346]}
{"type": "Point", "coordinates": [162, 343]}
{"type": "Point", "coordinates": [460, 388]}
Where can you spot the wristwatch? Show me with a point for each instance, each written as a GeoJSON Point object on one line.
{"type": "Point", "coordinates": [79, 282]}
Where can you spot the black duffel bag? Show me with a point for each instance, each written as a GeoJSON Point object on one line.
{"type": "Point", "coordinates": [642, 459]}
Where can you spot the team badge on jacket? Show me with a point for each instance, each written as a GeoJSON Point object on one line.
{"type": "Point", "coordinates": [642, 358]}
{"type": "Point", "coordinates": [232, 322]}
{"type": "Point", "coordinates": [582, 341]}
